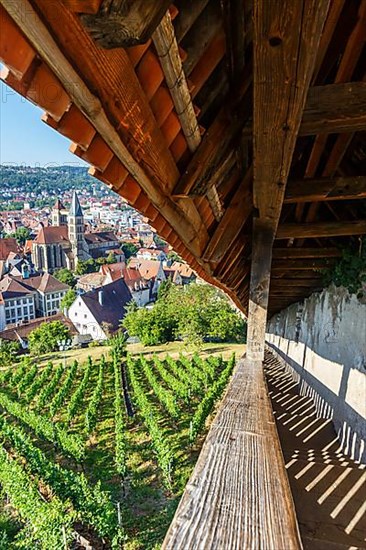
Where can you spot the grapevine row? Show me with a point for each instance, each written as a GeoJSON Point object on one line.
{"type": "Point", "coordinates": [71, 444]}
{"type": "Point", "coordinates": [49, 389]}
{"type": "Point", "coordinates": [119, 423]}
{"type": "Point", "coordinates": [77, 397]}
{"type": "Point", "coordinates": [38, 383]}
{"type": "Point", "coordinates": [91, 414]}
{"type": "Point", "coordinates": [164, 396]}
{"type": "Point", "coordinates": [159, 441]}
{"type": "Point", "coordinates": [182, 374]}
{"type": "Point", "coordinates": [205, 406]}
{"type": "Point", "coordinates": [27, 379]}
{"type": "Point", "coordinates": [174, 383]}
{"type": "Point", "coordinates": [91, 502]}
{"type": "Point", "coordinates": [48, 522]}
{"type": "Point", "coordinates": [60, 396]}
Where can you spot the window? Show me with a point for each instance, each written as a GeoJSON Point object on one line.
{"type": "Point", "coordinates": [85, 315]}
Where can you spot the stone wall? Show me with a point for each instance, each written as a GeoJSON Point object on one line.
{"type": "Point", "coordinates": [323, 340]}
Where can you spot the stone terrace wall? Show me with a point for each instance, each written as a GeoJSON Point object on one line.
{"type": "Point", "coordinates": [323, 340]}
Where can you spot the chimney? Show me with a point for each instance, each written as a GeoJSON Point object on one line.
{"type": "Point", "coordinates": [100, 297]}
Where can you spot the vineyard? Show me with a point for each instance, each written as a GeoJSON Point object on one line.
{"type": "Point", "coordinates": [101, 451]}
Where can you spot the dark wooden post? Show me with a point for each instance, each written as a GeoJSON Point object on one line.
{"type": "Point", "coordinates": [263, 237]}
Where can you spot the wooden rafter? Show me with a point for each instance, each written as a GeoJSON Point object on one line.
{"type": "Point", "coordinates": [326, 189]}
{"type": "Point", "coordinates": [331, 109]}
{"type": "Point", "coordinates": [321, 229]}
{"type": "Point", "coordinates": [167, 49]}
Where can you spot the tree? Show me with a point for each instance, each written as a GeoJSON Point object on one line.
{"type": "Point", "coordinates": [193, 314]}
{"type": "Point", "coordinates": [129, 250]}
{"type": "Point", "coordinates": [21, 234]}
{"type": "Point", "coordinates": [68, 299]}
{"type": "Point", "coordinates": [111, 258]}
{"type": "Point", "coordinates": [45, 338]}
{"type": "Point", "coordinates": [86, 266]}
{"type": "Point", "coordinates": [65, 276]}
{"type": "Point", "coordinates": [8, 352]}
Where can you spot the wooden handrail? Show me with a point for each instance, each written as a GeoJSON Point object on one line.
{"type": "Point", "coordinates": [238, 495]}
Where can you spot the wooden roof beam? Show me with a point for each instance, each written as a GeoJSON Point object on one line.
{"type": "Point", "coordinates": [325, 189]}
{"type": "Point", "coordinates": [333, 108]}
{"type": "Point", "coordinates": [167, 49]}
{"type": "Point", "coordinates": [321, 229]}
{"type": "Point", "coordinates": [286, 39]}
{"type": "Point", "coordinates": [300, 253]}
{"type": "Point", "coordinates": [124, 23]}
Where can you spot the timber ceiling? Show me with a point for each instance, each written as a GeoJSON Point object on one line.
{"type": "Point", "coordinates": [206, 115]}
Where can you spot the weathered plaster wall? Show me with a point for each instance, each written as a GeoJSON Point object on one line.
{"type": "Point", "coordinates": [324, 342]}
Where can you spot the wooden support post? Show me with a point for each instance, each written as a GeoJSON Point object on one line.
{"type": "Point", "coordinates": [263, 238]}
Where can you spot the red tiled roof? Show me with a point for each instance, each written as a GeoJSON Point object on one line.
{"type": "Point", "coordinates": [6, 246]}
{"type": "Point", "coordinates": [147, 268]}
{"type": "Point", "coordinates": [52, 235]}
{"type": "Point", "coordinates": [43, 283]}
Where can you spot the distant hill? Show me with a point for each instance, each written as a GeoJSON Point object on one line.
{"type": "Point", "coordinates": [46, 182]}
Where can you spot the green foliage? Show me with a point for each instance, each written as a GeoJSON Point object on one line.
{"type": "Point", "coordinates": [92, 411]}
{"type": "Point", "coordinates": [65, 276]}
{"type": "Point", "coordinates": [86, 266]}
{"type": "Point", "coordinates": [44, 427]}
{"type": "Point", "coordinates": [8, 352]}
{"type": "Point", "coordinates": [193, 314]}
{"type": "Point", "coordinates": [44, 338]}
{"type": "Point", "coordinates": [160, 442]}
{"type": "Point", "coordinates": [111, 258]}
{"type": "Point", "coordinates": [350, 270]}
{"type": "Point", "coordinates": [47, 522]}
{"type": "Point", "coordinates": [91, 502]}
{"type": "Point", "coordinates": [68, 299]}
{"type": "Point", "coordinates": [21, 234]}
{"type": "Point", "coordinates": [129, 250]}
{"type": "Point", "coordinates": [205, 406]}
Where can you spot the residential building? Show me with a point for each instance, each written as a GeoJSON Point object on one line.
{"type": "Point", "coordinates": [18, 302]}
{"type": "Point", "coordinates": [100, 311]}
{"type": "Point", "coordinates": [49, 292]}
{"type": "Point", "coordinates": [26, 297]}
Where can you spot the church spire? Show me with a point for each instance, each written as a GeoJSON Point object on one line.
{"type": "Point", "coordinates": [75, 208]}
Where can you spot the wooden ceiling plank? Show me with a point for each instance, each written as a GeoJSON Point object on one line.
{"type": "Point", "coordinates": [333, 108]}
{"type": "Point", "coordinates": [124, 23]}
{"type": "Point", "coordinates": [321, 229]}
{"type": "Point", "coordinates": [325, 189]}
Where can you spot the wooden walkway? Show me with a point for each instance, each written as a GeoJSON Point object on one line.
{"type": "Point", "coordinates": [238, 496]}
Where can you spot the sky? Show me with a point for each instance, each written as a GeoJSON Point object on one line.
{"type": "Point", "coordinates": [25, 139]}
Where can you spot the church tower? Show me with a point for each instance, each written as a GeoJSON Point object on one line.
{"type": "Point", "coordinates": [58, 217]}
{"type": "Point", "coordinates": [76, 230]}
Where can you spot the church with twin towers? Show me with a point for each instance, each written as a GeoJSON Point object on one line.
{"type": "Point", "coordinates": [65, 242]}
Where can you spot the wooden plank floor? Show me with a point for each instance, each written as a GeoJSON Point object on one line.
{"type": "Point", "coordinates": [238, 496]}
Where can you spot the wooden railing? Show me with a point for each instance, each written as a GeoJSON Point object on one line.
{"type": "Point", "coordinates": [238, 496]}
